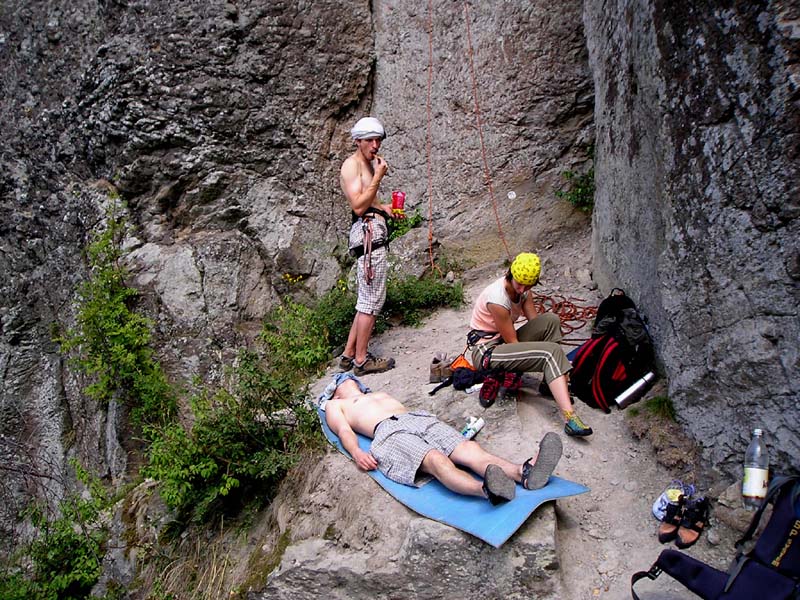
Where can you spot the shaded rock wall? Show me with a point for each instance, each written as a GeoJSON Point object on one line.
{"type": "Point", "coordinates": [697, 205]}
{"type": "Point", "coordinates": [214, 123]}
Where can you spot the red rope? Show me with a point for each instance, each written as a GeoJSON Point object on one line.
{"type": "Point", "coordinates": [573, 317]}
{"type": "Point", "coordinates": [486, 173]}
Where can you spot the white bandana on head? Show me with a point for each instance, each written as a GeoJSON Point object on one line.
{"type": "Point", "coordinates": [368, 128]}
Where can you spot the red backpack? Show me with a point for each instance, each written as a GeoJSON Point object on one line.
{"type": "Point", "coordinates": [619, 353]}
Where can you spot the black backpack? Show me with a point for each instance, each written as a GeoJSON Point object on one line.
{"type": "Point", "coordinates": [770, 570]}
{"type": "Point", "coordinates": [618, 354]}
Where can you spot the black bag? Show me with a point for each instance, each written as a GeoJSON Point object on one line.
{"type": "Point", "coordinates": [619, 352]}
{"type": "Point", "coordinates": [770, 570]}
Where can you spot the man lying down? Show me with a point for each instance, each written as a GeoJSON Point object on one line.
{"type": "Point", "coordinates": [406, 443]}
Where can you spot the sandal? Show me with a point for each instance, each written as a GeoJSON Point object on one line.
{"type": "Point", "coordinates": [498, 486]}
{"type": "Point", "coordinates": [536, 475]}
{"type": "Point", "coordinates": [694, 521]}
{"type": "Point", "coordinates": [668, 530]}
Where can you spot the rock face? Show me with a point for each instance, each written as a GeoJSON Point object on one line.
{"type": "Point", "coordinates": [222, 127]}
{"type": "Point", "coordinates": [697, 206]}
{"type": "Point", "coordinates": [216, 126]}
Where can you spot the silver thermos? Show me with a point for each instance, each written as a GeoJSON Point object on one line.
{"type": "Point", "coordinates": [635, 391]}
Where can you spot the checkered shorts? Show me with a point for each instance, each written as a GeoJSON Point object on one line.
{"type": "Point", "coordinates": [372, 295]}
{"type": "Point", "coordinates": [401, 443]}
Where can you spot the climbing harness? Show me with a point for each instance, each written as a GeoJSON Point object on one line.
{"type": "Point", "coordinates": [368, 245]}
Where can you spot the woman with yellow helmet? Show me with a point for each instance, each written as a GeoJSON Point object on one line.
{"type": "Point", "coordinates": [534, 347]}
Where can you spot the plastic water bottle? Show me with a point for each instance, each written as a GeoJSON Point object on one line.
{"type": "Point", "coordinates": [472, 427]}
{"type": "Point", "coordinates": [756, 471]}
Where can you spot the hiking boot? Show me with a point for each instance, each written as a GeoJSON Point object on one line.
{"type": "Point", "coordinates": [489, 389]}
{"type": "Point", "coordinates": [575, 427]}
{"type": "Point", "coordinates": [345, 363]}
{"type": "Point", "coordinates": [438, 368]}
{"type": "Point", "coordinates": [373, 364]}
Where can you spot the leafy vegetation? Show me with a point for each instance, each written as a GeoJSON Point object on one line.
{"type": "Point", "coordinates": [112, 341]}
{"type": "Point", "coordinates": [403, 226]}
{"type": "Point", "coordinates": [243, 441]}
{"type": "Point", "coordinates": [65, 555]}
{"type": "Point", "coordinates": [581, 187]}
{"type": "Point", "coordinates": [239, 440]}
{"type": "Point", "coordinates": [408, 298]}
{"type": "Point", "coordinates": [660, 407]}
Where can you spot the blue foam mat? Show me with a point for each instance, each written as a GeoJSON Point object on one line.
{"type": "Point", "coordinates": [476, 516]}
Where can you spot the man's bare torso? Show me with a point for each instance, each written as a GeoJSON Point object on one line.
{"type": "Point", "coordinates": [364, 411]}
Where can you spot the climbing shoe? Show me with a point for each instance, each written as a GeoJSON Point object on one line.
{"type": "Point", "coordinates": [373, 364]}
{"type": "Point", "coordinates": [489, 390]}
{"type": "Point", "coordinates": [575, 427]}
{"type": "Point", "coordinates": [535, 475]}
{"type": "Point", "coordinates": [345, 363]}
{"type": "Point", "coordinates": [512, 382]}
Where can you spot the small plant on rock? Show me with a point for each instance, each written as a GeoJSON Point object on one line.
{"type": "Point", "coordinates": [581, 187]}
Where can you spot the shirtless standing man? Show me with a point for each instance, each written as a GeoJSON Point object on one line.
{"type": "Point", "coordinates": [406, 442]}
{"type": "Point", "coordinates": [360, 176]}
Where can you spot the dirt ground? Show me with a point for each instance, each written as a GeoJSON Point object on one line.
{"type": "Point", "coordinates": [606, 535]}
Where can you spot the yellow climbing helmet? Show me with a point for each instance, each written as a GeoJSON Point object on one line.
{"type": "Point", "coordinates": [526, 268]}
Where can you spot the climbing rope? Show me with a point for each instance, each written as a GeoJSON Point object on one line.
{"type": "Point", "coordinates": [573, 317]}
{"type": "Point", "coordinates": [486, 174]}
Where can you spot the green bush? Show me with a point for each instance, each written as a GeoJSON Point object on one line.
{"type": "Point", "coordinates": [409, 298]}
{"type": "Point", "coordinates": [336, 310]}
{"type": "Point", "coordinates": [240, 446]}
{"type": "Point", "coordinates": [581, 187]}
{"type": "Point", "coordinates": [112, 341]}
{"type": "Point", "coordinates": [66, 553]}
{"type": "Point", "coordinates": [296, 340]}
{"type": "Point", "coordinates": [403, 226]}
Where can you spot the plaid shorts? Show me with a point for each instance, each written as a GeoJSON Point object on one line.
{"type": "Point", "coordinates": [401, 443]}
{"type": "Point", "coordinates": [372, 295]}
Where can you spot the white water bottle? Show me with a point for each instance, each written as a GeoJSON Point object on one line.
{"type": "Point", "coordinates": [472, 427]}
{"type": "Point", "coordinates": [756, 471]}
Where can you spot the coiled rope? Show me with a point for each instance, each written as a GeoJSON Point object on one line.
{"type": "Point", "coordinates": [573, 316]}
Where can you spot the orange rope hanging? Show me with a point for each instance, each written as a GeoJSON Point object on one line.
{"type": "Point", "coordinates": [486, 173]}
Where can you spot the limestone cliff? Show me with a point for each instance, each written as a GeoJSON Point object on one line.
{"type": "Point", "coordinates": [697, 205]}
